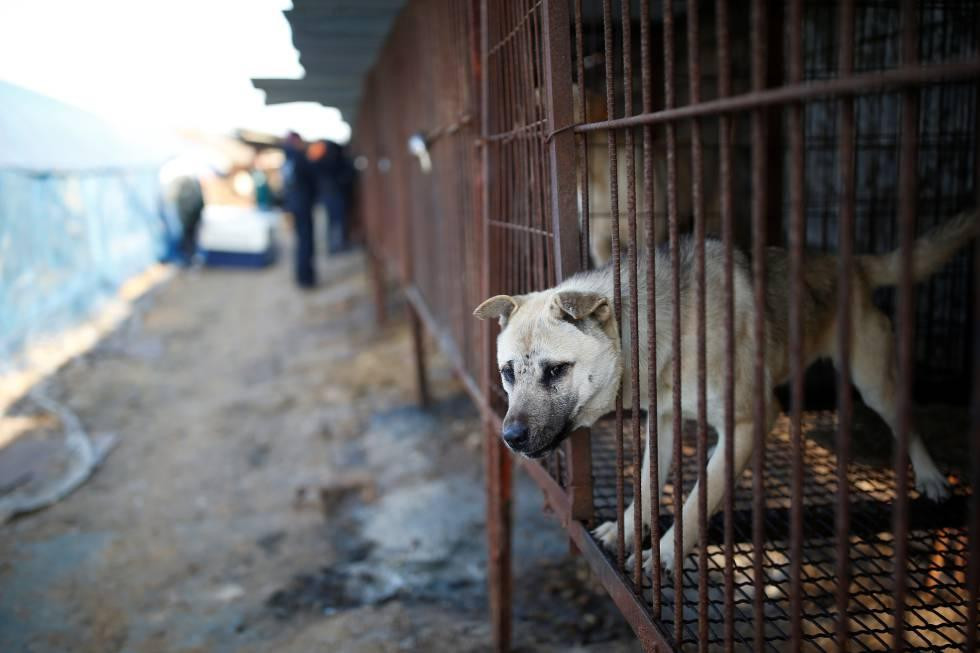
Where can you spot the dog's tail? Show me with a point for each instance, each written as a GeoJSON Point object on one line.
{"type": "Point", "coordinates": [929, 252]}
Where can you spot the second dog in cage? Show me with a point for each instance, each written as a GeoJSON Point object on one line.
{"type": "Point", "coordinates": [561, 358]}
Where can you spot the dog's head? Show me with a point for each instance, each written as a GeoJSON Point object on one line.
{"type": "Point", "coordinates": [559, 360]}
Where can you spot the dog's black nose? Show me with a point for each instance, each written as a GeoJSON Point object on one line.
{"type": "Point", "coordinates": [516, 435]}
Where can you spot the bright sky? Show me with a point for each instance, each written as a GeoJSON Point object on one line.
{"type": "Point", "coordinates": [152, 64]}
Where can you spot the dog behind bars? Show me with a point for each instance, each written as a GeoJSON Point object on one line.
{"type": "Point", "coordinates": [561, 357]}
{"type": "Point", "coordinates": [598, 190]}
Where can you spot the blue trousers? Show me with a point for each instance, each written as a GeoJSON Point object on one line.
{"type": "Point", "coordinates": [305, 272]}
{"type": "Point", "coordinates": [336, 205]}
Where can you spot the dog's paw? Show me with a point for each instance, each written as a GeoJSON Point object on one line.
{"type": "Point", "coordinates": [606, 535]}
{"type": "Point", "coordinates": [666, 560]}
{"type": "Point", "coordinates": [933, 486]}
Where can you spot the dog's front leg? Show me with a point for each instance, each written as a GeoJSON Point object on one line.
{"type": "Point", "coordinates": [607, 533]}
{"type": "Point", "coordinates": [716, 489]}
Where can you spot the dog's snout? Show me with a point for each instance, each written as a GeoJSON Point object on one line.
{"type": "Point", "coordinates": [516, 434]}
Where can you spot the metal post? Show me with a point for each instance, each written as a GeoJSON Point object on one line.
{"type": "Point", "coordinates": [564, 214]}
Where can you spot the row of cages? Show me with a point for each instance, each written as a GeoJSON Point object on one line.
{"type": "Point", "coordinates": [725, 257]}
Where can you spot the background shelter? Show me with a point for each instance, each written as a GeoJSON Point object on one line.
{"type": "Point", "coordinates": [80, 213]}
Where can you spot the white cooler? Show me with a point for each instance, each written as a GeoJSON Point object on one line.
{"type": "Point", "coordinates": [237, 236]}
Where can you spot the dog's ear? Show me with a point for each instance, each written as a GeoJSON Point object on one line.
{"type": "Point", "coordinates": [576, 305]}
{"type": "Point", "coordinates": [499, 306]}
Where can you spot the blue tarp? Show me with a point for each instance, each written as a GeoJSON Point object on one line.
{"type": "Point", "coordinates": [80, 212]}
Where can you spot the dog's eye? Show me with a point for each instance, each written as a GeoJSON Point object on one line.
{"type": "Point", "coordinates": [507, 371]}
{"type": "Point", "coordinates": [554, 372]}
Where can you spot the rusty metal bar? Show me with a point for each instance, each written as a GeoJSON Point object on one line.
{"type": "Point", "coordinates": [797, 364]}
{"type": "Point", "coordinates": [759, 214]}
{"type": "Point", "coordinates": [418, 351]}
{"type": "Point", "coordinates": [537, 36]}
{"type": "Point", "coordinates": [678, 503]}
{"type": "Point", "coordinates": [652, 408]}
{"type": "Point", "coordinates": [561, 148]}
{"type": "Point", "coordinates": [973, 554]}
{"type": "Point", "coordinates": [512, 34]}
{"type": "Point", "coordinates": [725, 126]}
{"type": "Point", "coordinates": [523, 151]}
{"type": "Point", "coordinates": [632, 607]}
{"type": "Point", "coordinates": [498, 472]}
{"type": "Point", "coordinates": [581, 142]}
{"type": "Point", "coordinates": [634, 316]}
{"type": "Point", "coordinates": [775, 78]}
{"type": "Point", "coordinates": [697, 203]}
{"type": "Point", "coordinates": [908, 200]}
{"type": "Point", "coordinates": [518, 56]}
{"type": "Point", "coordinates": [529, 131]}
{"type": "Point", "coordinates": [862, 84]}
{"type": "Point", "coordinates": [579, 449]}
{"type": "Point", "coordinates": [499, 555]}
{"type": "Point", "coordinates": [846, 27]}
{"type": "Point", "coordinates": [558, 82]}
{"type": "Point", "coordinates": [608, 49]}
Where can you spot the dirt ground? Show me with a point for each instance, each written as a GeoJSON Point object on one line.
{"type": "Point", "coordinates": [274, 488]}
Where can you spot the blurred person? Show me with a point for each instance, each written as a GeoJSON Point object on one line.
{"type": "Point", "coordinates": [263, 191]}
{"type": "Point", "coordinates": [190, 206]}
{"type": "Point", "coordinates": [299, 192]}
{"type": "Point", "coordinates": [334, 181]}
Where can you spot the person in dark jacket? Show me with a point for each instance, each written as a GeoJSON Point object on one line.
{"type": "Point", "coordinates": [190, 207]}
{"type": "Point", "coordinates": [299, 193]}
{"type": "Point", "coordinates": [334, 182]}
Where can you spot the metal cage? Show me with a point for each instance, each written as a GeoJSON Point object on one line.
{"type": "Point", "coordinates": [509, 143]}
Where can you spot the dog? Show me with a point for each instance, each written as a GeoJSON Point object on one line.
{"type": "Point", "coordinates": [599, 184]}
{"type": "Point", "coordinates": [561, 361]}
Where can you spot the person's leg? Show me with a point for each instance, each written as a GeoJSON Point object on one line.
{"type": "Point", "coordinates": [187, 237]}
{"type": "Point", "coordinates": [305, 272]}
{"type": "Point", "coordinates": [190, 233]}
{"type": "Point", "coordinates": [337, 222]}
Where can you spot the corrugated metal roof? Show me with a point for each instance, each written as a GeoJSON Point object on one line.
{"type": "Point", "coordinates": [338, 41]}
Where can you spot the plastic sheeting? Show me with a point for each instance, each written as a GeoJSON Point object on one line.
{"type": "Point", "coordinates": [80, 212]}
{"type": "Point", "coordinates": [67, 242]}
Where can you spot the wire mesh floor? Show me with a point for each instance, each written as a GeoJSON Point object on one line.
{"type": "Point", "coordinates": [936, 612]}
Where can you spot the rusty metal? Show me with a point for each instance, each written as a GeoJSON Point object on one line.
{"type": "Point", "coordinates": [634, 317]}
{"type": "Point", "coordinates": [759, 215]}
{"type": "Point", "coordinates": [796, 362]}
{"type": "Point", "coordinates": [973, 554]}
{"type": "Point", "coordinates": [728, 292]}
{"type": "Point", "coordinates": [678, 525]}
{"type": "Point", "coordinates": [568, 257]}
{"type": "Point", "coordinates": [581, 143]}
{"type": "Point", "coordinates": [609, 58]}
{"type": "Point", "coordinates": [652, 408]}
{"type": "Point", "coordinates": [697, 202]}
{"type": "Point", "coordinates": [796, 560]}
{"type": "Point", "coordinates": [872, 571]}
{"type": "Point", "coordinates": [907, 184]}
{"type": "Point", "coordinates": [861, 84]}
{"type": "Point", "coordinates": [418, 350]}
{"type": "Point", "coordinates": [845, 272]}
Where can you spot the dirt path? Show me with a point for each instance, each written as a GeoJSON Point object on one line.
{"type": "Point", "coordinates": [275, 489]}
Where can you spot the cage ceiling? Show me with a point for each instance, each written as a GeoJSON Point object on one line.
{"type": "Point", "coordinates": [338, 41]}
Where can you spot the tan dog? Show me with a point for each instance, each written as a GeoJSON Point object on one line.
{"type": "Point", "coordinates": [559, 354]}
{"type": "Point", "coordinates": [599, 176]}
{"type": "Point", "coordinates": [600, 192]}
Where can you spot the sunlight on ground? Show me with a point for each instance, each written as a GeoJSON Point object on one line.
{"type": "Point", "coordinates": [48, 354]}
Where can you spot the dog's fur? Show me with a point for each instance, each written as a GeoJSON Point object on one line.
{"type": "Point", "coordinates": [600, 186]}
{"type": "Point", "coordinates": [559, 351]}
